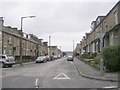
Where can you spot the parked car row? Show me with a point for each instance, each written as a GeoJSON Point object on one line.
{"type": "Point", "coordinates": [43, 59]}
{"type": "Point", "coordinates": [9, 60]}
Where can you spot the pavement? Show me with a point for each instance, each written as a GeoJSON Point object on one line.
{"type": "Point", "coordinates": [88, 71]}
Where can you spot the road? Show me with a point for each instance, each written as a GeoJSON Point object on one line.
{"type": "Point", "coordinates": [54, 74]}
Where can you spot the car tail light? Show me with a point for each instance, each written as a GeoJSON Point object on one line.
{"type": "Point", "coordinates": [7, 60]}
{"type": "Point", "coordinates": [12, 60]}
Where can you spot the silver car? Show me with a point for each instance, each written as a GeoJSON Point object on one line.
{"type": "Point", "coordinates": [7, 60]}
{"type": "Point", "coordinates": [41, 59]}
{"type": "Point", "coordinates": [69, 58]}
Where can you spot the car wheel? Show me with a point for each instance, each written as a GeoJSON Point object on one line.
{"type": "Point", "coordinates": [9, 65]}
{"type": "Point", "coordinates": [2, 65]}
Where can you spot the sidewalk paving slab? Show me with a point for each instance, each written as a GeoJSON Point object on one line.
{"type": "Point", "coordinates": [90, 72]}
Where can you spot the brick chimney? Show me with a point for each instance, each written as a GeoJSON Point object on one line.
{"type": "Point", "coordinates": [1, 22]}
{"type": "Point", "coordinates": [45, 43]}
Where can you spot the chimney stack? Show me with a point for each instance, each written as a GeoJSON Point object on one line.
{"type": "Point", "coordinates": [1, 22]}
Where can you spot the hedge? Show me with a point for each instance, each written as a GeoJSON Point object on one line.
{"type": "Point", "coordinates": [88, 55]}
{"type": "Point", "coordinates": [111, 56]}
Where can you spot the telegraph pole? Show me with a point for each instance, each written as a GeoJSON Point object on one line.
{"type": "Point", "coordinates": [60, 51]}
{"type": "Point", "coordinates": [49, 46]}
{"type": "Point", "coordinates": [73, 48]}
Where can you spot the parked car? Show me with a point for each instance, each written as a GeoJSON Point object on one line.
{"type": "Point", "coordinates": [59, 56]}
{"type": "Point", "coordinates": [55, 57]}
{"type": "Point", "coordinates": [7, 60]}
{"type": "Point", "coordinates": [70, 58]}
{"type": "Point", "coordinates": [41, 59]}
{"type": "Point", "coordinates": [47, 58]}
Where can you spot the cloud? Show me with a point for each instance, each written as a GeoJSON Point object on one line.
{"type": "Point", "coordinates": [64, 39]}
{"type": "Point", "coordinates": [59, 1]}
{"type": "Point", "coordinates": [63, 20]}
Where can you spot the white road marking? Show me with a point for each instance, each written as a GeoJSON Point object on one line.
{"type": "Point", "coordinates": [110, 87]}
{"type": "Point", "coordinates": [61, 76]}
{"type": "Point", "coordinates": [37, 86]}
{"type": "Point", "coordinates": [36, 82]}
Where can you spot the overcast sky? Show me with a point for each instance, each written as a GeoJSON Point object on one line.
{"type": "Point", "coordinates": [63, 20]}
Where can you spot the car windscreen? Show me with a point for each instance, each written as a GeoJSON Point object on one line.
{"type": "Point", "coordinates": [69, 56]}
{"type": "Point", "coordinates": [40, 57]}
{"type": "Point", "coordinates": [2, 57]}
{"type": "Point", "coordinates": [10, 57]}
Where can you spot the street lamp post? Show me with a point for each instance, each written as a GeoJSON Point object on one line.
{"type": "Point", "coordinates": [21, 50]}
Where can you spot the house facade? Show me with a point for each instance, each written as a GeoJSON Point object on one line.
{"type": "Point", "coordinates": [10, 42]}
{"type": "Point", "coordinates": [54, 51]}
{"type": "Point", "coordinates": [105, 31]}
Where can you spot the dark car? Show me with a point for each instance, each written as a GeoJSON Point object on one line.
{"type": "Point", "coordinates": [41, 59]}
